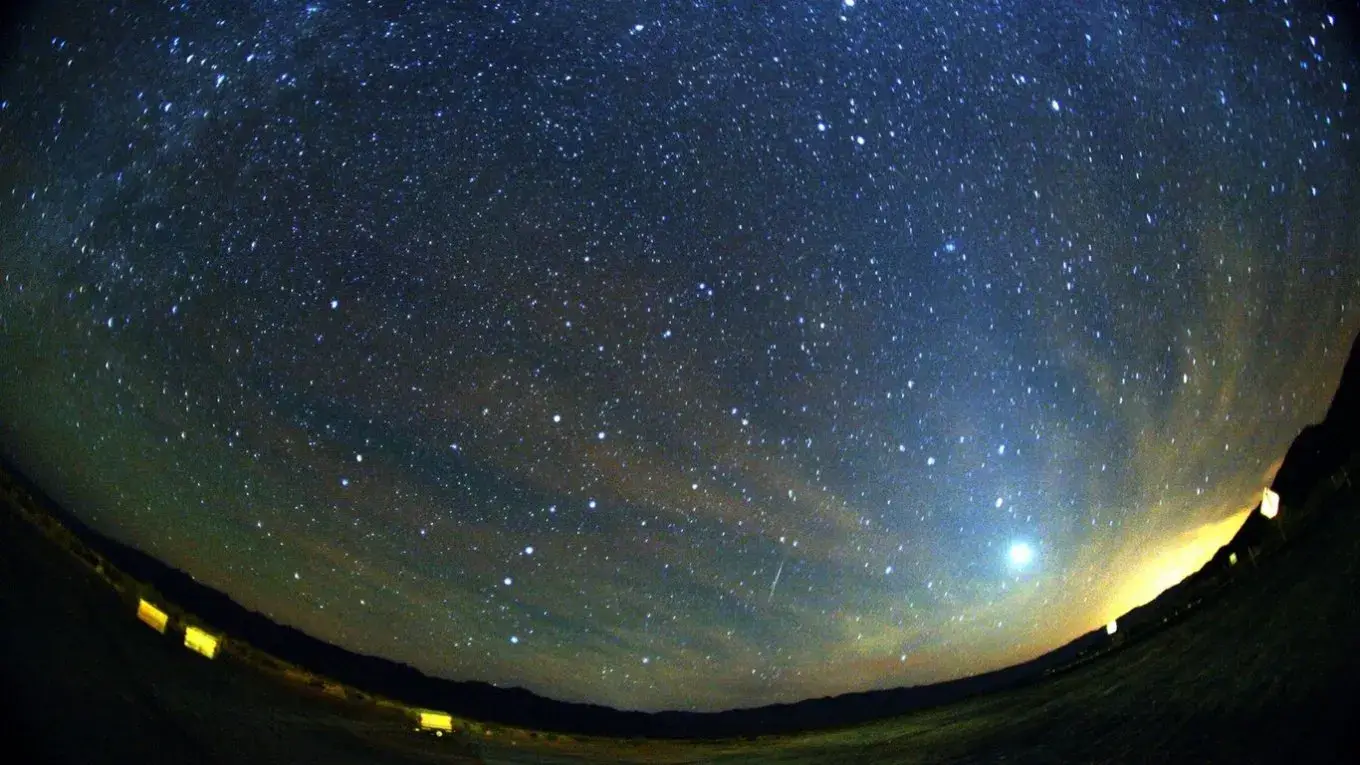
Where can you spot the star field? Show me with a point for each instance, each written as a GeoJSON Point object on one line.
{"type": "Point", "coordinates": [675, 355]}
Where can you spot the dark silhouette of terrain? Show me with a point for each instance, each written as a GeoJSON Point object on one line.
{"type": "Point", "coordinates": [1251, 657]}
{"type": "Point", "coordinates": [257, 634]}
{"type": "Point", "coordinates": [1321, 449]}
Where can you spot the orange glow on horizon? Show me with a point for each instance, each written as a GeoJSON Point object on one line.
{"type": "Point", "coordinates": [1182, 557]}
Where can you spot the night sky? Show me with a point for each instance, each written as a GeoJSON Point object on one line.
{"type": "Point", "coordinates": [675, 355]}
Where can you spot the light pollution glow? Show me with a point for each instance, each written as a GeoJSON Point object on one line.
{"type": "Point", "coordinates": [1169, 564]}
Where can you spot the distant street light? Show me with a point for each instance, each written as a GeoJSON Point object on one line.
{"type": "Point", "coordinates": [1270, 508]}
{"type": "Point", "coordinates": [1270, 503]}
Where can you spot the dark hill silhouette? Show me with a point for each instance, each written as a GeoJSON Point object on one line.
{"type": "Point", "coordinates": [1321, 449]}
{"type": "Point", "coordinates": [1316, 455]}
{"type": "Point", "coordinates": [515, 706]}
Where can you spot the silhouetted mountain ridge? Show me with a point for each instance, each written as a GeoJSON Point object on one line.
{"type": "Point", "coordinates": [1321, 449]}
{"type": "Point", "coordinates": [1315, 455]}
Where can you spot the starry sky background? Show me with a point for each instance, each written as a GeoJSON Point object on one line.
{"type": "Point", "coordinates": [675, 355]}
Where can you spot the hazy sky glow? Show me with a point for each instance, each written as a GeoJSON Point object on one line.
{"type": "Point", "coordinates": [675, 354]}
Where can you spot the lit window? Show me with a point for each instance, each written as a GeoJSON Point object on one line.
{"type": "Point", "coordinates": [436, 721]}
{"type": "Point", "coordinates": [198, 641]}
{"type": "Point", "coordinates": [153, 617]}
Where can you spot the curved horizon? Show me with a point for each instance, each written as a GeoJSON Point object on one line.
{"type": "Point", "coordinates": [674, 357]}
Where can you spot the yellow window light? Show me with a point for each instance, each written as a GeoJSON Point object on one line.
{"type": "Point", "coordinates": [153, 617]}
{"type": "Point", "coordinates": [436, 721]}
{"type": "Point", "coordinates": [1112, 627]}
{"type": "Point", "coordinates": [198, 641]}
{"type": "Point", "coordinates": [1270, 504]}
{"type": "Point", "coordinates": [1232, 559]}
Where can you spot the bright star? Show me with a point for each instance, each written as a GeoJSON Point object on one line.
{"type": "Point", "coordinates": [1021, 554]}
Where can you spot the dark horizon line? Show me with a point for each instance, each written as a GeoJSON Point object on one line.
{"type": "Point", "coordinates": [488, 703]}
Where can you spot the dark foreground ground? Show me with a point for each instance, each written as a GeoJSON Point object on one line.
{"type": "Point", "coordinates": [1265, 671]}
